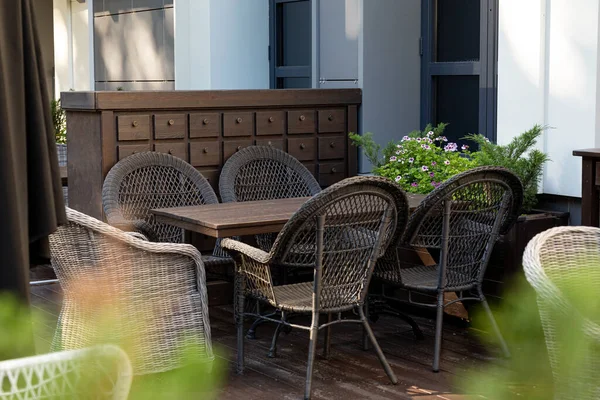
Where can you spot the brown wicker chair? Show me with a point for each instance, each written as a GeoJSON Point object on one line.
{"type": "Point", "coordinates": [150, 180]}
{"type": "Point", "coordinates": [339, 233]}
{"type": "Point", "coordinates": [461, 219]}
{"type": "Point", "coordinates": [154, 294]}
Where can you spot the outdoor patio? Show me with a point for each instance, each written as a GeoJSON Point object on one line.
{"type": "Point", "coordinates": [350, 373]}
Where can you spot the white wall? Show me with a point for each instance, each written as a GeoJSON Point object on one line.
{"type": "Point", "coordinates": [221, 44]}
{"type": "Point", "coordinates": [389, 73]}
{"type": "Point", "coordinates": [71, 46]}
{"type": "Point", "coordinates": [548, 74]}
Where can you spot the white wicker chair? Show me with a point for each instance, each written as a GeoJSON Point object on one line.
{"type": "Point", "coordinates": [101, 372]}
{"type": "Point", "coordinates": [152, 294]}
{"type": "Point", "coordinates": [555, 258]}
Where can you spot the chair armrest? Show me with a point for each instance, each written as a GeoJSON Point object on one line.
{"type": "Point", "coordinates": [137, 225]}
{"type": "Point", "coordinates": [138, 235]}
{"type": "Point", "coordinates": [234, 246]}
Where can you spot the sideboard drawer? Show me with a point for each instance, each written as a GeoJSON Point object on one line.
{"type": "Point", "coordinates": [277, 143]}
{"type": "Point", "coordinates": [170, 126]}
{"type": "Point", "coordinates": [330, 173]}
{"type": "Point", "coordinates": [133, 127]}
{"type": "Point", "coordinates": [238, 124]}
{"type": "Point", "coordinates": [303, 149]}
{"type": "Point", "coordinates": [311, 167]}
{"type": "Point", "coordinates": [270, 123]}
{"type": "Point", "coordinates": [301, 121]}
{"type": "Point", "coordinates": [125, 150]}
{"type": "Point", "coordinates": [332, 120]}
{"type": "Point", "coordinates": [233, 146]}
{"type": "Point", "coordinates": [332, 147]}
{"type": "Point", "coordinates": [212, 176]}
{"type": "Point", "coordinates": [205, 125]}
{"type": "Point", "coordinates": [178, 150]}
{"type": "Point", "coordinates": [205, 153]}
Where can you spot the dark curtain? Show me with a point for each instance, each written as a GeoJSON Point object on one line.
{"type": "Point", "coordinates": [31, 203]}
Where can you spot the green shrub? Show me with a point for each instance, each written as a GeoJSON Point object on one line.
{"type": "Point", "coordinates": [518, 156]}
{"type": "Point", "coordinates": [59, 120]}
{"type": "Point", "coordinates": [419, 162]}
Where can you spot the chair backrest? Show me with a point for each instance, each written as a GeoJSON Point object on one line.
{"type": "Point", "coordinates": [563, 266]}
{"type": "Point", "coordinates": [358, 217]}
{"type": "Point", "coordinates": [102, 372]}
{"type": "Point", "coordinates": [150, 180]}
{"type": "Point", "coordinates": [147, 297]}
{"type": "Point", "coordinates": [265, 173]}
{"type": "Point", "coordinates": [477, 205]}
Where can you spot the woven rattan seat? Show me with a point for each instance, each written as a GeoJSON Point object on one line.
{"type": "Point", "coordinates": [461, 220]}
{"type": "Point", "coordinates": [99, 372]}
{"type": "Point", "coordinates": [150, 180]}
{"type": "Point", "coordinates": [563, 266]}
{"type": "Point", "coordinates": [152, 295]}
{"type": "Point", "coordinates": [339, 233]}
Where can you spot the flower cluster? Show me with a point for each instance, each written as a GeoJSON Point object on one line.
{"type": "Point", "coordinates": [423, 160]}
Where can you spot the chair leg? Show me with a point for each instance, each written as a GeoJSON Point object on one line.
{"type": "Point", "coordinates": [252, 331]}
{"type": "Point", "coordinates": [280, 327]}
{"type": "Point", "coordinates": [495, 327]}
{"type": "Point", "coordinates": [365, 337]}
{"type": "Point", "coordinates": [380, 355]}
{"type": "Point", "coordinates": [240, 323]}
{"type": "Point", "coordinates": [312, 349]}
{"type": "Point", "coordinates": [327, 338]}
{"type": "Point", "coordinates": [438, 332]}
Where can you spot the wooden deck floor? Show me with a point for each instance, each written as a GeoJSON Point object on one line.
{"type": "Point", "coordinates": [349, 373]}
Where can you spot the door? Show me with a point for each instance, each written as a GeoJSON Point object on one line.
{"type": "Point", "coordinates": [459, 66]}
{"type": "Point", "coordinates": [291, 44]}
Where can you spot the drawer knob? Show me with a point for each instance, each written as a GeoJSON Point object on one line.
{"type": "Point", "coordinates": [205, 121]}
{"type": "Point", "coordinates": [239, 148]}
{"type": "Point", "coordinates": [134, 152]}
{"type": "Point", "coordinates": [333, 170]}
{"type": "Point", "coordinates": [171, 122]}
{"type": "Point", "coordinates": [302, 118]}
{"type": "Point", "coordinates": [239, 120]}
{"type": "Point", "coordinates": [302, 146]}
{"type": "Point", "coordinates": [330, 117]}
{"type": "Point", "coordinates": [134, 123]}
{"type": "Point", "coordinates": [332, 144]}
{"type": "Point", "coordinates": [170, 151]}
{"type": "Point", "coordinates": [271, 119]}
{"type": "Point", "coordinates": [205, 150]}
{"type": "Point", "coordinates": [269, 143]}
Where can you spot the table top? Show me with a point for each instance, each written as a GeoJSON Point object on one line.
{"type": "Point", "coordinates": [243, 218]}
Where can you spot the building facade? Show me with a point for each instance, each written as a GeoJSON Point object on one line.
{"type": "Point", "coordinates": [495, 67]}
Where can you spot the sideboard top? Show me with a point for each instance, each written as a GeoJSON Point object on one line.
{"type": "Point", "coordinates": [184, 99]}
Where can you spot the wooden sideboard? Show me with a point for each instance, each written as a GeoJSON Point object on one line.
{"type": "Point", "coordinates": [205, 128]}
{"type": "Point", "coordinates": [590, 186]}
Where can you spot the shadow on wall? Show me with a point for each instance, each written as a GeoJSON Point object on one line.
{"type": "Point", "coordinates": [134, 47]}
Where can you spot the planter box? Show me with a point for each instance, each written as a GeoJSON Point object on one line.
{"type": "Point", "coordinates": [506, 261]}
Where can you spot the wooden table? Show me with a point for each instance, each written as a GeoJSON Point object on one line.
{"type": "Point", "coordinates": [240, 219]}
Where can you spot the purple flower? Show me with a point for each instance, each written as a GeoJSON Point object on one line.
{"type": "Point", "coordinates": [419, 139]}
{"type": "Point", "coordinates": [398, 152]}
{"type": "Point", "coordinates": [411, 160]}
{"type": "Point", "coordinates": [430, 133]}
{"type": "Point", "coordinates": [447, 162]}
{"type": "Point", "coordinates": [393, 158]}
{"type": "Point", "coordinates": [405, 138]}
{"type": "Point", "coordinates": [464, 147]}
{"type": "Point", "coordinates": [426, 146]}
{"type": "Point", "coordinates": [425, 168]}
{"type": "Point", "coordinates": [444, 139]}
{"type": "Point", "coordinates": [414, 184]}
{"type": "Point", "coordinates": [433, 163]}
{"type": "Point", "coordinates": [398, 178]}
{"type": "Point", "coordinates": [451, 147]}
{"type": "Point", "coordinates": [431, 174]}
{"type": "Point", "coordinates": [435, 184]}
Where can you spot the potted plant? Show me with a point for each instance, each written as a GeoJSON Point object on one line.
{"type": "Point", "coordinates": [59, 121]}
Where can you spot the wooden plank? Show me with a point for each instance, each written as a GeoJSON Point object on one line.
{"type": "Point", "coordinates": [590, 202]}
{"type": "Point", "coordinates": [180, 99]}
{"type": "Point", "coordinates": [352, 149]}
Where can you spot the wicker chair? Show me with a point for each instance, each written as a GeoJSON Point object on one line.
{"type": "Point", "coordinates": [150, 180]}
{"type": "Point", "coordinates": [461, 219]}
{"type": "Point", "coordinates": [339, 233]}
{"type": "Point", "coordinates": [152, 296]}
{"type": "Point", "coordinates": [556, 259]}
{"type": "Point", "coordinates": [102, 372]}
{"type": "Point", "coordinates": [265, 173]}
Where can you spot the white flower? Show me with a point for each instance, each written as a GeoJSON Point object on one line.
{"type": "Point", "coordinates": [430, 133]}
{"type": "Point", "coordinates": [393, 158]}
{"type": "Point", "coordinates": [398, 178]}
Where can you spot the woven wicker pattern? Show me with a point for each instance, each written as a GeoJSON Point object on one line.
{"type": "Point", "coordinates": [485, 202]}
{"type": "Point", "coordinates": [102, 372]}
{"type": "Point", "coordinates": [559, 257]}
{"type": "Point", "coordinates": [150, 180]}
{"type": "Point", "coordinates": [265, 173]}
{"type": "Point", "coordinates": [154, 293]}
